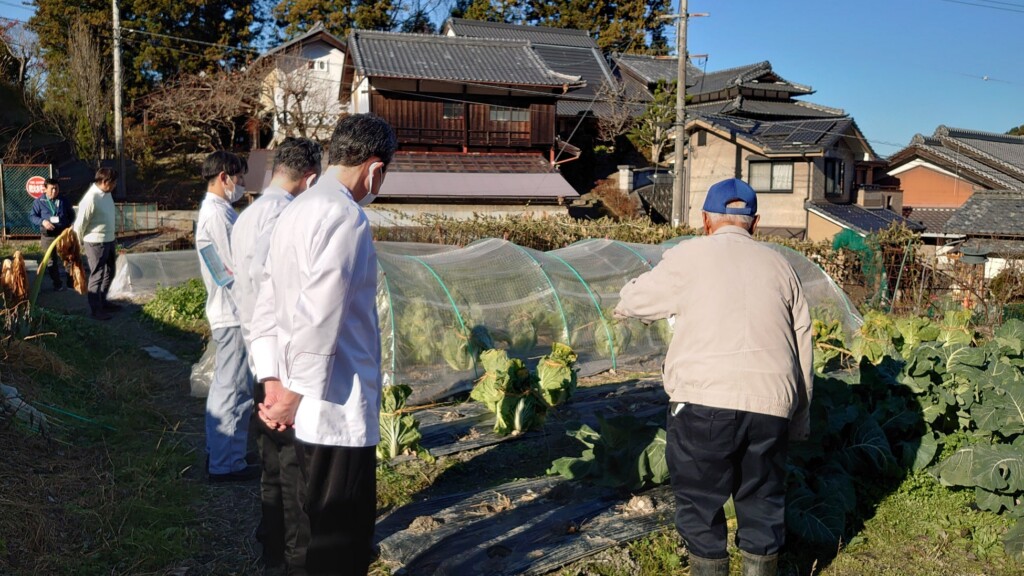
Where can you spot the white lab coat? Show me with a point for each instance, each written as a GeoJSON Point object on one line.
{"type": "Point", "coordinates": [216, 218]}
{"type": "Point", "coordinates": [315, 322]}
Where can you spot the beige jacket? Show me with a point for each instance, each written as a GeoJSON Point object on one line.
{"type": "Point", "coordinates": [742, 336]}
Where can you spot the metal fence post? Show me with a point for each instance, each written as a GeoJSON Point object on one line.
{"type": "Point", "coordinates": [3, 205]}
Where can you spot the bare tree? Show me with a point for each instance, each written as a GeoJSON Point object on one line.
{"type": "Point", "coordinates": [206, 109]}
{"type": "Point", "coordinates": [619, 111]}
{"type": "Point", "coordinates": [302, 96]}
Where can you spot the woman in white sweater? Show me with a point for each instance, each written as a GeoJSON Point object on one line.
{"type": "Point", "coordinates": [95, 228]}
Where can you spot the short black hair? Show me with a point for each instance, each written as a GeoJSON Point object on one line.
{"type": "Point", "coordinates": [105, 175]}
{"type": "Point", "coordinates": [359, 137]}
{"type": "Point", "coordinates": [222, 161]}
{"type": "Point", "coordinates": [51, 182]}
{"type": "Point", "coordinates": [296, 156]}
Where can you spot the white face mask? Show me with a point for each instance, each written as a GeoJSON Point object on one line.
{"type": "Point", "coordinates": [310, 181]}
{"type": "Point", "coordinates": [370, 196]}
{"type": "Point", "coordinates": [235, 194]}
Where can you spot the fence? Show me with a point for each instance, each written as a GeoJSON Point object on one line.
{"type": "Point", "coordinates": [136, 218]}
{"type": "Point", "coordinates": [21, 184]}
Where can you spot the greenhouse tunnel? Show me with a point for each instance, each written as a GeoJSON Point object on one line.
{"type": "Point", "coordinates": [439, 306]}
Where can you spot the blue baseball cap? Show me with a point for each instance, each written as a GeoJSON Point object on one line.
{"type": "Point", "coordinates": [725, 192]}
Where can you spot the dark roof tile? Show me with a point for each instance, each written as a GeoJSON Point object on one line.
{"type": "Point", "coordinates": [860, 219]}
{"type": "Point", "coordinates": [990, 212]}
{"type": "Point", "coordinates": [431, 57]}
{"type": "Point", "coordinates": [933, 219]}
{"type": "Point", "coordinates": [534, 34]}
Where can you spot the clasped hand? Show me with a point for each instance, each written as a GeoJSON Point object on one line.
{"type": "Point", "coordinates": [278, 408]}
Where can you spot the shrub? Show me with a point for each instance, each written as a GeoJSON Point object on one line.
{"type": "Point", "coordinates": [182, 306]}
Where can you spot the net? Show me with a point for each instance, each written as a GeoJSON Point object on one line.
{"type": "Point", "coordinates": [440, 306]}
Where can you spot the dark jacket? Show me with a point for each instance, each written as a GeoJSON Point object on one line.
{"type": "Point", "coordinates": [43, 209]}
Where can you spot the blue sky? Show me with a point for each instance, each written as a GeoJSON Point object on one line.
{"type": "Point", "coordinates": [899, 67]}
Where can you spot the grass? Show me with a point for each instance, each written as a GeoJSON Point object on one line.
{"type": "Point", "coordinates": [102, 493]}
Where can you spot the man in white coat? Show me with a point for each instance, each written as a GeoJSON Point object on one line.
{"type": "Point", "coordinates": [229, 402]}
{"type": "Point", "coordinates": [315, 330]}
{"type": "Point", "coordinates": [283, 525]}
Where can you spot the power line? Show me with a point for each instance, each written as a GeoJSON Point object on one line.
{"type": "Point", "coordinates": [1019, 8]}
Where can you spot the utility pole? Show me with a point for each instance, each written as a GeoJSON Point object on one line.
{"type": "Point", "coordinates": [118, 118]}
{"type": "Point", "coordinates": [680, 210]}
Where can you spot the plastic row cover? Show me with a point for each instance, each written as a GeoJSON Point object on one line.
{"type": "Point", "coordinates": [439, 306]}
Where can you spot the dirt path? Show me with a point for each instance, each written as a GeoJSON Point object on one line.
{"type": "Point", "coordinates": [227, 515]}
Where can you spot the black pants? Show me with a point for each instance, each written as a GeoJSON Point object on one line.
{"type": "Point", "coordinates": [341, 503]}
{"type": "Point", "coordinates": [715, 453]}
{"type": "Point", "coordinates": [284, 528]}
{"type": "Point", "coordinates": [101, 257]}
{"type": "Point", "coordinates": [53, 267]}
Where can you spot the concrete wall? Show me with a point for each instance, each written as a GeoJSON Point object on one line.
{"type": "Point", "coordinates": [819, 229]}
{"type": "Point", "coordinates": [721, 159]}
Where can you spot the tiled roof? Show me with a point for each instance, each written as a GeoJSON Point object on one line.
{"type": "Point", "coordinates": [431, 57]}
{"type": "Point", "coordinates": [534, 34]}
{"type": "Point", "coordinates": [317, 31]}
{"type": "Point", "coordinates": [754, 76]}
{"type": "Point", "coordinates": [794, 136]}
{"type": "Point", "coordinates": [859, 219]}
{"type": "Point", "coordinates": [990, 212]}
{"type": "Point", "coordinates": [741, 106]}
{"type": "Point", "coordinates": [600, 109]}
{"type": "Point", "coordinates": [996, 160]}
{"type": "Point", "coordinates": [955, 159]}
{"type": "Point", "coordinates": [933, 219]}
{"type": "Point", "coordinates": [995, 247]}
{"type": "Point", "coordinates": [1000, 149]}
{"type": "Point", "coordinates": [587, 63]}
{"type": "Point", "coordinates": [652, 69]}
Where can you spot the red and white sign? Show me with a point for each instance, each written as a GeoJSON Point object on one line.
{"type": "Point", "coordinates": [35, 186]}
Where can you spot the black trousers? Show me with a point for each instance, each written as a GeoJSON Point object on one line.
{"type": "Point", "coordinates": [101, 257]}
{"type": "Point", "coordinates": [284, 528]}
{"type": "Point", "coordinates": [341, 503]}
{"type": "Point", "coordinates": [53, 267]}
{"type": "Point", "coordinates": [715, 453]}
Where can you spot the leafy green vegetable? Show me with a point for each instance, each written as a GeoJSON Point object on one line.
{"type": "Point", "coordinates": [399, 432]}
{"type": "Point", "coordinates": [627, 453]}
{"type": "Point", "coordinates": [518, 398]}
{"type": "Point", "coordinates": [417, 328]}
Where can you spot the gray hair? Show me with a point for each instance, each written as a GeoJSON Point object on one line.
{"type": "Point", "coordinates": [740, 220]}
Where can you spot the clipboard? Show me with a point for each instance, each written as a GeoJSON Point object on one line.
{"type": "Point", "coordinates": [222, 275]}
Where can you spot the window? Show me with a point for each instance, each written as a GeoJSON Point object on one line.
{"type": "Point", "coordinates": [771, 176]}
{"type": "Point", "coordinates": [320, 65]}
{"type": "Point", "coordinates": [835, 177]}
{"type": "Point", "coordinates": [453, 110]}
{"type": "Point", "coordinates": [702, 138]}
{"type": "Point", "coordinates": [505, 114]}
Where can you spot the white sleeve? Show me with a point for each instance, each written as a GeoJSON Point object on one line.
{"type": "Point", "coordinates": [263, 330]}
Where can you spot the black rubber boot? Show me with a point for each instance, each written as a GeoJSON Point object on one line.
{"type": "Point", "coordinates": [754, 565]}
{"type": "Point", "coordinates": [708, 567]}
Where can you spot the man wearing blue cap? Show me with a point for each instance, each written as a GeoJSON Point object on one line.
{"type": "Point", "coordinates": [738, 373]}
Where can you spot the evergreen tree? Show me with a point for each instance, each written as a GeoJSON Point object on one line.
{"type": "Point", "coordinates": [617, 26]}
{"type": "Point", "coordinates": [337, 16]}
{"type": "Point", "coordinates": [161, 38]}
